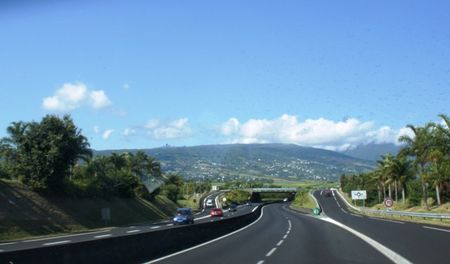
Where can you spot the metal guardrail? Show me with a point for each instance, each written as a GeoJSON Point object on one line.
{"type": "Point", "coordinates": [392, 212]}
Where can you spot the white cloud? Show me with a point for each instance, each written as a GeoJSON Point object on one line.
{"type": "Point", "coordinates": [323, 133]}
{"type": "Point", "coordinates": [128, 132]}
{"type": "Point", "coordinates": [73, 95]}
{"type": "Point", "coordinates": [98, 99]}
{"type": "Point", "coordinates": [107, 133]}
{"type": "Point", "coordinates": [96, 129]}
{"type": "Point", "coordinates": [152, 123]}
{"type": "Point", "coordinates": [176, 129]}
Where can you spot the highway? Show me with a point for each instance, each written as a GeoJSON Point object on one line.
{"type": "Point", "coordinates": [201, 217]}
{"type": "Point", "coordinates": [283, 236]}
{"type": "Point", "coordinates": [419, 243]}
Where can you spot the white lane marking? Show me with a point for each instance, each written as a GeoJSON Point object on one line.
{"type": "Point", "coordinates": [285, 236]}
{"type": "Point", "coordinates": [279, 243]}
{"type": "Point", "coordinates": [260, 262]}
{"type": "Point", "coordinates": [154, 227]}
{"type": "Point", "coordinates": [254, 209]}
{"type": "Point", "coordinates": [434, 228]}
{"type": "Point", "coordinates": [271, 252]}
{"type": "Point", "coordinates": [393, 256]}
{"type": "Point", "coordinates": [386, 220]}
{"type": "Point", "coordinates": [343, 211]}
{"type": "Point", "coordinates": [288, 232]}
{"type": "Point", "coordinates": [356, 215]}
{"type": "Point", "coordinates": [169, 225]}
{"type": "Point", "coordinates": [133, 231]}
{"type": "Point", "coordinates": [80, 234]}
{"type": "Point", "coordinates": [290, 224]}
{"type": "Point", "coordinates": [56, 243]}
{"type": "Point", "coordinates": [131, 226]}
{"type": "Point", "coordinates": [102, 236]}
{"type": "Point", "coordinates": [203, 217]}
{"type": "Point", "coordinates": [207, 242]}
{"type": "Point", "coordinates": [9, 243]}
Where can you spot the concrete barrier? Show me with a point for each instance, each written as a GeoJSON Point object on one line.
{"type": "Point", "coordinates": [133, 248]}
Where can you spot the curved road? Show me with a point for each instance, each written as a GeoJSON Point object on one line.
{"type": "Point", "coordinates": [283, 236]}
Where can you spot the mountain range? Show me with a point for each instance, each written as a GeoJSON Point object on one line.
{"type": "Point", "coordinates": [238, 161]}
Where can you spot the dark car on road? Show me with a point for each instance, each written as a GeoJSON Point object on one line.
{"type": "Point", "coordinates": [327, 193]}
{"type": "Point", "coordinates": [183, 216]}
{"type": "Point", "coordinates": [233, 207]}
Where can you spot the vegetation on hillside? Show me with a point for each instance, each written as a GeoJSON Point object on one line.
{"type": "Point", "coordinates": [421, 167]}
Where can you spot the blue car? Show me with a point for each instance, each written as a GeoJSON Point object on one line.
{"type": "Point", "coordinates": [183, 216]}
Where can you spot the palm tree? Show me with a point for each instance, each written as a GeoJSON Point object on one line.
{"type": "Point", "coordinates": [402, 169]}
{"type": "Point", "coordinates": [419, 147]}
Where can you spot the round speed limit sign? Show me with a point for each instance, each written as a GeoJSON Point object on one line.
{"type": "Point", "coordinates": [388, 202]}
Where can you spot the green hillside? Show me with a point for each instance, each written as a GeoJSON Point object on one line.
{"type": "Point", "coordinates": [286, 161]}
{"type": "Point", "coordinates": [24, 213]}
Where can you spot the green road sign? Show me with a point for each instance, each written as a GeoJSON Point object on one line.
{"type": "Point", "coordinates": [316, 211]}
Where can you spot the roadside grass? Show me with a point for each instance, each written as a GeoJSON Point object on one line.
{"type": "Point", "coordinates": [303, 201]}
{"type": "Point", "coordinates": [191, 201]}
{"type": "Point", "coordinates": [24, 213]}
{"type": "Point", "coordinates": [404, 207]}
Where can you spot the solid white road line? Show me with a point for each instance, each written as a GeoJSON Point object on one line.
{"type": "Point", "coordinates": [208, 242]}
{"type": "Point", "coordinates": [435, 228]}
{"type": "Point", "coordinates": [271, 252]}
{"type": "Point", "coordinates": [133, 231]}
{"type": "Point", "coordinates": [386, 220]}
{"type": "Point", "coordinates": [280, 242]}
{"type": "Point", "coordinates": [102, 236]}
{"type": "Point", "coordinates": [56, 243]}
{"type": "Point", "coordinates": [154, 227]}
{"type": "Point", "coordinates": [80, 234]}
{"type": "Point", "coordinates": [393, 256]}
{"type": "Point", "coordinates": [356, 215]}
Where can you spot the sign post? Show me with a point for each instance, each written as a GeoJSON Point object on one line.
{"type": "Point", "coordinates": [359, 195]}
{"type": "Point", "coordinates": [388, 202]}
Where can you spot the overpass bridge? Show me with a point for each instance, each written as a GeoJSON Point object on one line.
{"type": "Point", "coordinates": [256, 192]}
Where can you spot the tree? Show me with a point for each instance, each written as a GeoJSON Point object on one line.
{"type": "Point", "coordinates": [419, 147]}
{"type": "Point", "coordinates": [46, 152]}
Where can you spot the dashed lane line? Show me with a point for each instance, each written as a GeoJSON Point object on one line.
{"type": "Point", "coordinates": [280, 242]}
{"type": "Point", "coordinates": [435, 228]}
{"type": "Point", "coordinates": [271, 252]}
{"type": "Point", "coordinates": [169, 225]}
{"type": "Point", "coordinates": [56, 243]}
{"type": "Point", "coordinates": [8, 243]}
{"type": "Point", "coordinates": [155, 227]}
{"type": "Point", "coordinates": [285, 236]}
{"type": "Point", "coordinates": [260, 262]}
{"type": "Point", "coordinates": [80, 234]}
{"type": "Point", "coordinates": [102, 236]}
{"type": "Point", "coordinates": [133, 231]}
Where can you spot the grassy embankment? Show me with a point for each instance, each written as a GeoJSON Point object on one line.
{"type": "Point", "coordinates": [24, 213]}
{"type": "Point", "coordinates": [399, 206]}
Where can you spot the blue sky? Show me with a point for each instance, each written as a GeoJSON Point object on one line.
{"type": "Point", "coordinates": [138, 74]}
